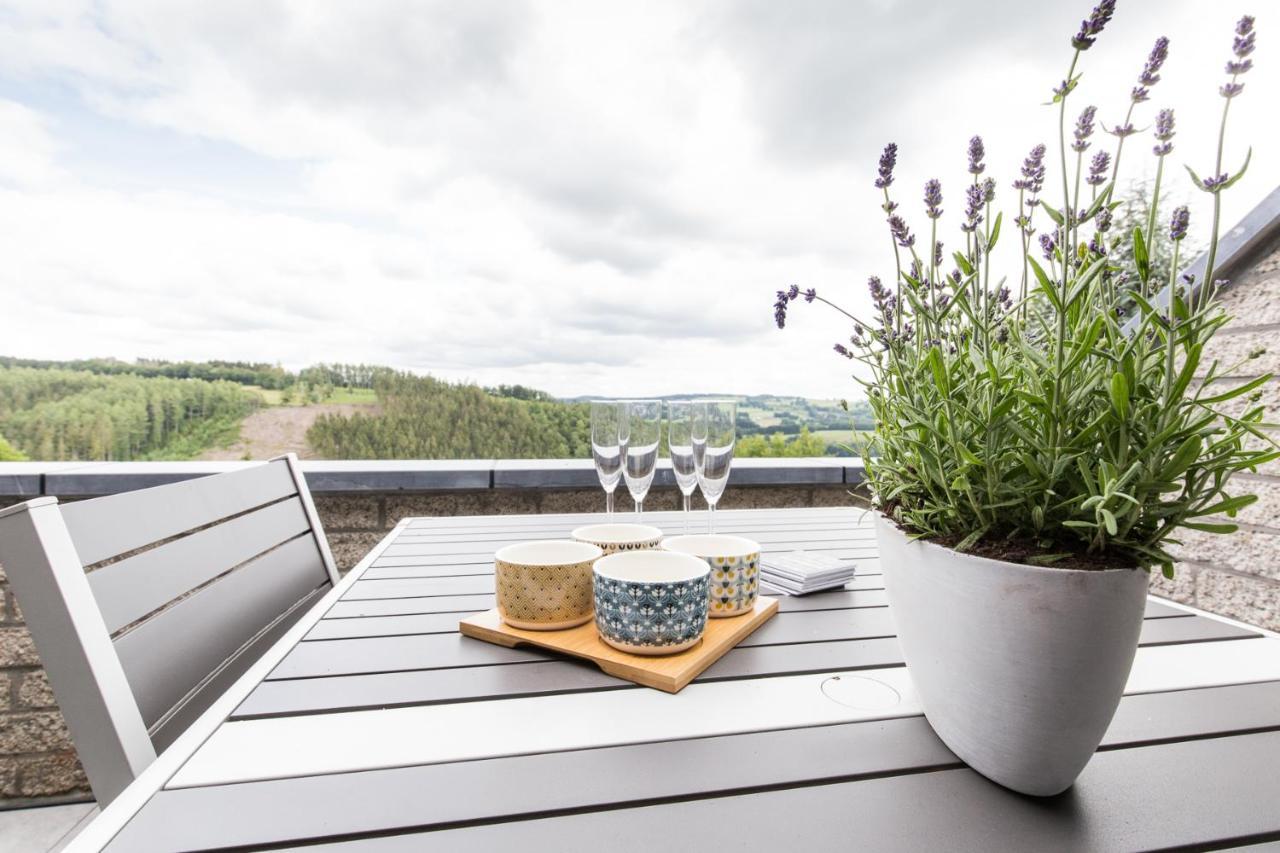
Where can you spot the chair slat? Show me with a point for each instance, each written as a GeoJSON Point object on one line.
{"type": "Point", "coordinates": [169, 654]}
{"type": "Point", "coordinates": [177, 722]}
{"type": "Point", "coordinates": [109, 526]}
{"type": "Point", "coordinates": [132, 588]}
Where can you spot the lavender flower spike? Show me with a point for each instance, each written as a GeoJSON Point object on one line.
{"type": "Point", "coordinates": [1102, 221]}
{"type": "Point", "coordinates": [989, 190]}
{"type": "Point", "coordinates": [784, 297]}
{"type": "Point", "coordinates": [1214, 182]}
{"type": "Point", "coordinates": [898, 228]}
{"type": "Point", "coordinates": [1242, 46]}
{"type": "Point", "coordinates": [1093, 25]}
{"type": "Point", "coordinates": [976, 152]}
{"type": "Point", "coordinates": [879, 293]}
{"type": "Point", "coordinates": [780, 309]}
{"type": "Point", "coordinates": [1047, 245]}
{"type": "Point", "coordinates": [810, 294]}
{"type": "Point", "coordinates": [972, 209]}
{"type": "Point", "coordinates": [933, 198]}
{"type": "Point", "coordinates": [1151, 71]}
{"type": "Point", "coordinates": [888, 159]}
{"type": "Point", "coordinates": [1164, 133]}
{"type": "Point", "coordinates": [1084, 128]}
{"type": "Point", "coordinates": [1098, 169]}
{"type": "Point", "coordinates": [1032, 179]}
{"type": "Point", "coordinates": [1244, 41]}
{"type": "Point", "coordinates": [1179, 222]}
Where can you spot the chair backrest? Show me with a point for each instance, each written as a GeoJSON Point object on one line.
{"type": "Point", "coordinates": [145, 606]}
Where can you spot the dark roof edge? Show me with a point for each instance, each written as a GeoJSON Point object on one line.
{"type": "Point", "coordinates": [1238, 246]}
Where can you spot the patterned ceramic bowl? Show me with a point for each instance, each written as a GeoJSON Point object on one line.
{"type": "Point", "coordinates": [619, 537]}
{"type": "Point", "coordinates": [651, 602]}
{"type": "Point", "coordinates": [545, 586]}
{"type": "Point", "coordinates": [735, 569]}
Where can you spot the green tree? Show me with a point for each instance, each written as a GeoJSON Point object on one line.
{"type": "Point", "coordinates": [9, 453]}
{"type": "Point", "coordinates": [776, 445]}
{"type": "Point", "coordinates": [422, 417]}
{"type": "Point", "coordinates": [60, 414]}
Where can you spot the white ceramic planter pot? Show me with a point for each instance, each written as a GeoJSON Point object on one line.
{"type": "Point", "coordinates": [1019, 668]}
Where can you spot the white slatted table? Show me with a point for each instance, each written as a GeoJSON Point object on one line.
{"type": "Point", "coordinates": [375, 725]}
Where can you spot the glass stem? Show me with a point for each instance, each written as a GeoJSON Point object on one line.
{"type": "Point", "coordinates": [608, 504]}
{"type": "Point", "coordinates": [711, 517]}
{"type": "Point", "coordinates": [639, 509]}
{"type": "Point", "coordinates": [688, 507]}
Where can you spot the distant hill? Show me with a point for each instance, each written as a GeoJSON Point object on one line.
{"type": "Point", "coordinates": [110, 409]}
{"type": "Point", "coordinates": [766, 414]}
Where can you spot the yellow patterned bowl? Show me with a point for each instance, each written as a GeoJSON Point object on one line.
{"type": "Point", "coordinates": [545, 586]}
{"type": "Point", "coordinates": [735, 569]}
{"type": "Point", "coordinates": [619, 537]}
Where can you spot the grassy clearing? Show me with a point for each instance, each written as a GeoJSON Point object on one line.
{"type": "Point", "coordinates": [844, 437]}
{"type": "Point", "coordinates": [270, 396]}
{"type": "Point", "coordinates": [352, 396]}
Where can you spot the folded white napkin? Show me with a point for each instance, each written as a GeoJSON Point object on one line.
{"type": "Point", "coordinates": [800, 572]}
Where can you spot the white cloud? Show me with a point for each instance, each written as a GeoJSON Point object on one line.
{"type": "Point", "coordinates": [581, 196]}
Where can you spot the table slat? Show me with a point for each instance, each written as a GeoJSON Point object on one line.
{"type": "Point", "coordinates": [705, 774]}
{"type": "Point", "coordinates": [813, 640]}
{"type": "Point", "coordinates": [1127, 799]}
{"type": "Point", "coordinates": [420, 797]}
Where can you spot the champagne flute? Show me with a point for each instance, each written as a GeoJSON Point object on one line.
{"type": "Point", "coordinates": [606, 451]}
{"type": "Point", "coordinates": [639, 434]}
{"type": "Point", "coordinates": [714, 433]}
{"type": "Point", "coordinates": [680, 421]}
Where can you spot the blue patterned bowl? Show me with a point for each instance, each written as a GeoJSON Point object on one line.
{"type": "Point", "coordinates": [735, 569]}
{"type": "Point", "coordinates": [651, 602]}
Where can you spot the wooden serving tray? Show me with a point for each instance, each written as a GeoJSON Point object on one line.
{"type": "Point", "coordinates": [664, 672]}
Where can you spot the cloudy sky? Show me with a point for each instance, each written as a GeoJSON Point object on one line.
{"type": "Point", "coordinates": [587, 197]}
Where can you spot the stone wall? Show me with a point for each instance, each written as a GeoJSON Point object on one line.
{"type": "Point", "coordinates": [37, 759]}
{"type": "Point", "coordinates": [1238, 575]}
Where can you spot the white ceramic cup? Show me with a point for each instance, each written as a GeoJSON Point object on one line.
{"type": "Point", "coordinates": [612, 538]}
{"type": "Point", "coordinates": [545, 586]}
{"type": "Point", "coordinates": [735, 569]}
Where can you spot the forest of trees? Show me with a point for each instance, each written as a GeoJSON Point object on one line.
{"type": "Point", "coordinates": [426, 418]}
{"type": "Point", "coordinates": [777, 444]}
{"type": "Point", "coordinates": [56, 414]}
{"type": "Point", "coordinates": [108, 409]}
{"type": "Point", "coordinates": [343, 375]}
{"type": "Point", "coordinates": [241, 372]}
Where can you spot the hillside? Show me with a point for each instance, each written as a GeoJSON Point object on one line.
{"type": "Point", "coordinates": [276, 430]}
{"type": "Point", "coordinates": [108, 409]}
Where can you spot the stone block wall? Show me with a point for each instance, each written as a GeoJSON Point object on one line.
{"type": "Point", "coordinates": [38, 762]}
{"type": "Point", "coordinates": [37, 759]}
{"type": "Point", "coordinates": [1238, 575]}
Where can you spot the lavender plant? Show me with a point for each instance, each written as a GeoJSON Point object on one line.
{"type": "Point", "coordinates": [1080, 423]}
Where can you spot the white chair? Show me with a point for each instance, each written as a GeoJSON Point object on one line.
{"type": "Point", "coordinates": [145, 606]}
